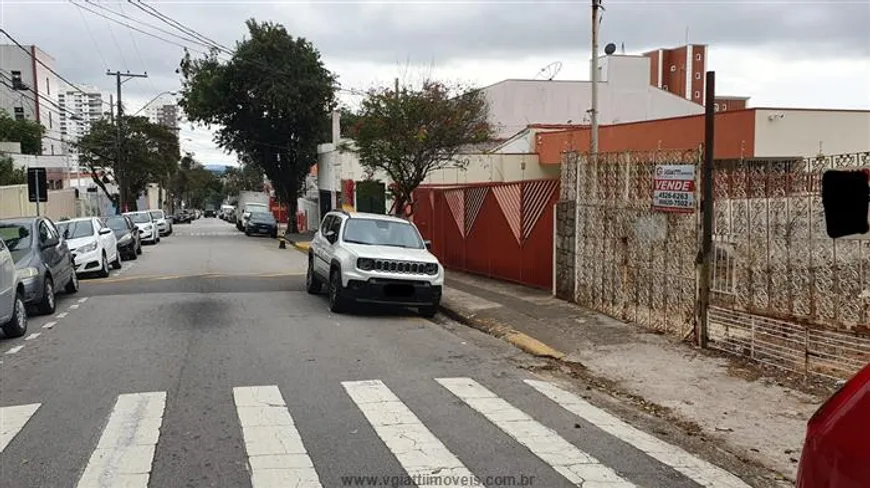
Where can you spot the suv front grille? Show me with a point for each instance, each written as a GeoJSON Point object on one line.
{"type": "Point", "coordinates": [400, 266]}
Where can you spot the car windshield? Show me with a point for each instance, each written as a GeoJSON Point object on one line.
{"type": "Point", "coordinates": [262, 217]}
{"type": "Point", "coordinates": [77, 228]}
{"type": "Point", "coordinates": [117, 223]}
{"type": "Point", "coordinates": [17, 237]}
{"type": "Point", "coordinates": [157, 214]}
{"type": "Point", "coordinates": [140, 218]}
{"type": "Point", "coordinates": [382, 233]}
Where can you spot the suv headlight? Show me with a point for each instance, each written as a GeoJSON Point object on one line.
{"type": "Point", "coordinates": [365, 264]}
{"type": "Point", "coordinates": [432, 268]}
{"type": "Point", "coordinates": [25, 273]}
{"type": "Point", "coordinates": [87, 248]}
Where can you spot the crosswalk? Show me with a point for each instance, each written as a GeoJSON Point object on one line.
{"type": "Point", "coordinates": [208, 234]}
{"type": "Point", "coordinates": [277, 455]}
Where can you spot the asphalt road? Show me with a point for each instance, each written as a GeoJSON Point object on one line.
{"type": "Point", "coordinates": [205, 364]}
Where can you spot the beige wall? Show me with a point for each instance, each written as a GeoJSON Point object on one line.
{"type": "Point", "coordinates": [806, 133]}
{"type": "Point", "coordinates": [13, 203]}
{"type": "Point", "coordinates": [485, 168]}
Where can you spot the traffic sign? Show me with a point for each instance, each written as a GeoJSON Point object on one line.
{"type": "Point", "coordinates": [37, 185]}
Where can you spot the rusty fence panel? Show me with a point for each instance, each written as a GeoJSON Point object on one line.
{"type": "Point", "coordinates": [631, 262]}
{"type": "Point", "coordinates": [784, 293]}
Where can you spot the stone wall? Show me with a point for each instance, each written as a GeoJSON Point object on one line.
{"type": "Point", "coordinates": [565, 241]}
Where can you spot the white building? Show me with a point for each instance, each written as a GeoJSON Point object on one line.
{"type": "Point", "coordinates": [624, 95]}
{"type": "Point", "coordinates": [163, 111]}
{"type": "Point", "coordinates": [80, 108]}
{"type": "Point", "coordinates": [29, 90]}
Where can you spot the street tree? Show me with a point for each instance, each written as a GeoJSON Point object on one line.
{"type": "Point", "coordinates": [28, 132]}
{"type": "Point", "coordinates": [246, 177]}
{"type": "Point", "coordinates": [407, 133]}
{"type": "Point", "coordinates": [195, 185]}
{"type": "Point", "coordinates": [9, 174]}
{"type": "Point", "coordinates": [150, 155]}
{"type": "Point", "coordinates": [270, 102]}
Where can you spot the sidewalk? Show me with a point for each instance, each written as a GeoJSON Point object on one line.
{"type": "Point", "coordinates": [755, 417]}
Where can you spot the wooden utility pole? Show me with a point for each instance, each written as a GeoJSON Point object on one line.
{"type": "Point", "coordinates": [596, 5]}
{"type": "Point", "coordinates": [707, 211]}
{"type": "Point", "coordinates": [119, 143]}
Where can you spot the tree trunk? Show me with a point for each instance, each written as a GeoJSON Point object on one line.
{"type": "Point", "coordinates": [292, 207]}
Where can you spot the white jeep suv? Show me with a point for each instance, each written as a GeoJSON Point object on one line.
{"type": "Point", "coordinates": [376, 259]}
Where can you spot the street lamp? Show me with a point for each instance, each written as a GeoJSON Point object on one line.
{"type": "Point", "coordinates": [173, 93]}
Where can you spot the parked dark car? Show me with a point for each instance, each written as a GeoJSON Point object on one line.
{"type": "Point", "coordinates": [182, 217]}
{"type": "Point", "coordinates": [42, 260]}
{"type": "Point", "coordinates": [835, 453]}
{"type": "Point", "coordinates": [209, 213]}
{"type": "Point", "coordinates": [128, 235]}
{"type": "Point", "coordinates": [262, 223]}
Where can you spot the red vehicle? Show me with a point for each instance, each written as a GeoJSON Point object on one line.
{"type": "Point", "coordinates": [837, 447]}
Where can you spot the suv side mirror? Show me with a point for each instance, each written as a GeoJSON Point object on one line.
{"type": "Point", "coordinates": [428, 244]}
{"type": "Point", "coordinates": [105, 231]}
{"type": "Point", "coordinates": [845, 197]}
{"type": "Point", "coordinates": [330, 236]}
{"type": "Point", "coordinates": [50, 242]}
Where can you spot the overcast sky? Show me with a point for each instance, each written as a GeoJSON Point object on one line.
{"type": "Point", "coordinates": [780, 53]}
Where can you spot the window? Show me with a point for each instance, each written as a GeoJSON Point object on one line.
{"type": "Point", "coordinates": [19, 113]}
{"type": "Point", "coordinates": [673, 68]}
{"type": "Point", "coordinates": [324, 226]}
{"type": "Point", "coordinates": [697, 94]}
{"type": "Point", "coordinates": [50, 121]}
{"type": "Point", "coordinates": [382, 233]}
{"type": "Point", "coordinates": [16, 80]}
{"type": "Point", "coordinates": [698, 57]}
{"type": "Point", "coordinates": [47, 86]}
{"type": "Point", "coordinates": [698, 75]}
{"type": "Point", "coordinates": [43, 232]}
{"type": "Point", "coordinates": [335, 226]}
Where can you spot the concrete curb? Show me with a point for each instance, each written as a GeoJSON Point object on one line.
{"type": "Point", "coordinates": [522, 341]}
{"type": "Point", "coordinates": [301, 246]}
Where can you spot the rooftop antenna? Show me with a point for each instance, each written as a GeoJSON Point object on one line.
{"type": "Point", "coordinates": [610, 49]}
{"type": "Point", "coordinates": [622, 48]}
{"type": "Point", "coordinates": [549, 71]}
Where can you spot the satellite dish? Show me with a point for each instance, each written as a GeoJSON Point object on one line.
{"type": "Point", "coordinates": [549, 71]}
{"type": "Point", "coordinates": [610, 49]}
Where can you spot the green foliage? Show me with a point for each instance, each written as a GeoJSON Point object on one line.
{"type": "Point", "coordinates": [247, 177]}
{"type": "Point", "coordinates": [9, 173]}
{"type": "Point", "coordinates": [271, 102]}
{"type": "Point", "coordinates": [28, 132]}
{"type": "Point", "coordinates": [150, 154]}
{"type": "Point", "coordinates": [193, 184]}
{"type": "Point", "coordinates": [409, 133]}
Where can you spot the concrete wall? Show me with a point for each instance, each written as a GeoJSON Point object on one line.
{"type": "Point", "coordinates": [806, 133]}
{"type": "Point", "coordinates": [39, 79]}
{"type": "Point", "coordinates": [61, 203]}
{"type": "Point", "coordinates": [485, 168]}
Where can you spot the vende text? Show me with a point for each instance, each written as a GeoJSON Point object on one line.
{"type": "Point", "coordinates": [675, 185]}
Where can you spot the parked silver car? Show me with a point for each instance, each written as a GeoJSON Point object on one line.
{"type": "Point", "coordinates": [43, 261]}
{"type": "Point", "coordinates": [13, 313]}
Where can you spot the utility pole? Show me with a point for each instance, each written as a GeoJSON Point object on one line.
{"type": "Point", "coordinates": [707, 210]}
{"type": "Point", "coordinates": [596, 4]}
{"type": "Point", "coordinates": [119, 164]}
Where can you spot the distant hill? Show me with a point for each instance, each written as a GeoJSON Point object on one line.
{"type": "Point", "coordinates": [217, 169]}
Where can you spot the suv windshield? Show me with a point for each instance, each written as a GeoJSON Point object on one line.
{"type": "Point", "coordinates": [16, 236]}
{"type": "Point", "coordinates": [116, 223]}
{"type": "Point", "coordinates": [262, 217]}
{"type": "Point", "coordinates": [80, 228]}
{"type": "Point", "coordinates": [140, 218]}
{"type": "Point", "coordinates": [381, 233]}
{"type": "Point", "coordinates": [157, 214]}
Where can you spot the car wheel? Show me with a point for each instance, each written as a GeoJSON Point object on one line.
{"type": "Point", "coordinates": [312, 283]}
{"type": "Point", "coordinates": [248, 232]}
{"type": "Point", "coordinates": [117, 263]}
{"type": "Point", "coordinates": [336, 300]}
{"type": "Point", "coordinates": [104, 269]}
{"type": "Point", "coordinates": [47, 305]}
{"type": "Point", "coordinates": [138, 248]}
{"type": "Point", "coordinates": [17, 325]}
{"type": "Point", "coordinates": [72, 285]}
{"type": "Point", "coordinates": [134, 255]}
{"type": "Point", "coordinates": [428, 311]}
{"type": "Point", "coordinates": [274, 234]}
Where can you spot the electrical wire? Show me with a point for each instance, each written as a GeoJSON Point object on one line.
{"type": "Point", "coordinates": [93, 39]}
{"type": "Point", "coordinates": [41, 63]}
{"type": "Point", "coordinates": [152, 11]}
{"type": "Point", "coordinates": [36, 95]}
{"type": "Point", "coordinates": [117, 46]}
{"type": "Point", "coordinates": [136, 48]}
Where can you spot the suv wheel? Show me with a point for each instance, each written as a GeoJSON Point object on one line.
{"type": "Point", "coordinates": [47, 305]}
{"type": "Point", "coordinates": [72, 285]}
{"type": "Point", "coordinates": [336, 301]}
{"type": "Point", "coordinates": [312, 283]}
{"type": "Point", "coordinates": [104, 267]}
{"type": "Point", "coordinates": [17, 325]}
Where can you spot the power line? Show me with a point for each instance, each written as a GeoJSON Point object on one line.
{"type": "Point", "coordinates": [38, 95]}
{"type": "Point", "coordinates": [136, 48]}
{"type": "Point", "coordinates": [93, 39]}
{"type": "Point", "coordinates": [117, 46]}
{"type": "Point", "coordinates": [41, 63]}
{"type": "Point", "coordinates": [152, 11]}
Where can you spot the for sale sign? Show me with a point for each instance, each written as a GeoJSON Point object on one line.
{"type": "Point", "coordinates": [674, 188]}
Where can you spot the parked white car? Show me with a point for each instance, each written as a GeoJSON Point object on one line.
{"type": "Point", "coordinates": [13, 312]}
{"type": "Point", "coordinates": [93, 245]}
{"type": "Point", "coordinates": [163, 224]}
{"type": "Point", "coordinates": [148, 230]}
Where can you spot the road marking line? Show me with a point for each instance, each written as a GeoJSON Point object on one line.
{"type": "Point", "coordinates": [83, 300]}
{"type": "Point", "coordinates": [125, 452]}
{"type": "Point", "coordinates": [12, 420]}
{"type": "Point", "coordinates": [276, 454]}
{"type": "Point", "coordinates": [49, 325]}
{"type": "Point", "coordinates": [32, 336]}
{"type": "Point", "coordinates": [695, 469]}
{"type": "Point", "coordinates": [73, 306]}
{"type": "Point", "coordinates": [61, 315]}
{"type": "Point", "coordinates": [415, 447]}
{"type": "Point", "coordinates": [577, 466]}
{"type": "Point", "coordinates": [14, 349]}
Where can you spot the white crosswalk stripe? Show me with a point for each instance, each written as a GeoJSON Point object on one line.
{"type": "Point", "coordinates": [12, 420]}
{"type": "Point", "coordinates": [125, 452]}
{"type": "Point", "coordinates": [415, 447]}
{"type": "Point", "coordinates": [569, 461]}
{"type": "Point", "coordinates": [276, 454]}
{"type": "Point", "coordinates": [700, 471]}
